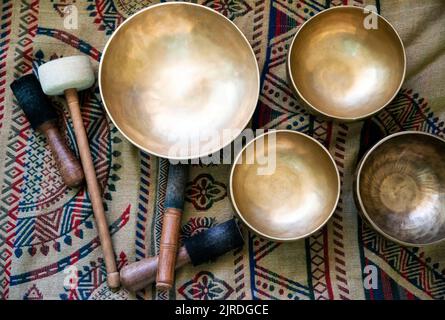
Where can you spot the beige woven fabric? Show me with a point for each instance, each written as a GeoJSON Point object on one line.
{"type": "Point", "coordinates": [47, 231]}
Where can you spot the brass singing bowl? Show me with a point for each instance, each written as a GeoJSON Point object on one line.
{"type": "Point", "coordinates": [400, 187]}
{"type": "Point", "coordinates": [175, 76]}
{"type": "Point", "coordinates": [297, 198]}
{"type": "Point", "coordinates": [342, 70]}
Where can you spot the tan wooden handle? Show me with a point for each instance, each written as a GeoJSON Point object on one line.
{"type": "Point", "coordinates": [69, 167]}
{"type": "Point", "coordinates": [141, 274]}
{"type": "Point", "coordinates": [93, 188]}
{"type": "Point", "coordinates": [168, 248]}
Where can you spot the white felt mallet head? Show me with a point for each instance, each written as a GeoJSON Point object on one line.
{"type": "Point", "coordinates": [73, 72]}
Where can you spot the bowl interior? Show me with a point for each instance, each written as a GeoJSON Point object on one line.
{"type": "Point", "coordinates": [175, 72]}
{"type": "Point", "coordinates": [286, 187]}
{"type": "Point", "coordinates": [341, 68]}
{"type": "Point", "coordinates": [402, 188]}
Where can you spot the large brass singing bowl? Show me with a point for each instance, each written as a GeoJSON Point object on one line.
{"type": "Point", "coordinates": [179, 80]}
{"type": "Point", "coordinates": [400, 187]}
{"type": "Point", "coordinates": [342, 70]}
{"type": "Point", "coordinates": [297, 198]}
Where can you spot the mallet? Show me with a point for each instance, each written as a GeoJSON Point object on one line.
{"type": "Point", "coordinates": [171, 225]}
{"type": "Point", "coordinates": [203, 247]}
{"type": "Point", "coordinates": [43, 117]}
{"type": "Point", "coordinates": [67, 76]}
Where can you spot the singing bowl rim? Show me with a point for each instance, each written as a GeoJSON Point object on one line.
{"type": "Point", "coordinates": [221, 146]}
{"type": "Point", "coordinates": [358, 196]}
{"type": "Point", "coordinates": [329, 116]}
{"type": "Point", "coordinates": [241, 216]}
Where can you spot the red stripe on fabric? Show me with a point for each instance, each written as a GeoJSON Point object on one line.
{"type": "Point", "coordinates": [409, 295]}
{"type": "Point", "coordinates": [386, 286]}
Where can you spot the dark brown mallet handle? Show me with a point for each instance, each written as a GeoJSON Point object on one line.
{"type": "Point", "coordinates": [69, 167]}
{"type": "Point", "coordinates": [139, 275]}
{"type": "Point", "coordinates": [200, 248]}
{"type": "Point", "coordinates": [174, 205]}
{"type": "Point", "coordinates": [93, 188]}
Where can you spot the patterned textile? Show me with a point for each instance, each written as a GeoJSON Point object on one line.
{"type": "Point", "coordinates": [47, 231]}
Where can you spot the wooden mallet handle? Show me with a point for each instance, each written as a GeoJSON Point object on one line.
{"type": "Point", "coordinates": [197, 249]}
{"type": "Point", "coordinates": [139, 275]}
{"type": "Point", "coordinates": [69, 167]}
{"type": "Point", "coordinates": [93, 188]}
{"type": "Point", "coordinates": [174, 205]}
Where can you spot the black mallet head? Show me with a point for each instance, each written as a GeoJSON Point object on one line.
{"type": "Point", "coordinates": [33, 101]}
{"type": "Point", "coordinates": [42, 117]}
{"type": "Point", "coordinates": [213, 242]}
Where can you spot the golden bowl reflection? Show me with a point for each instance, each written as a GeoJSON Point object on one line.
{"type": "Point", "coordinates": [297, 197]}
{"type": "Point", "coordinates": [177, 71]}
{"type": "Point", "coordinates": [340, 69]}
{"type": "Point", "coordinates": [400, 188]}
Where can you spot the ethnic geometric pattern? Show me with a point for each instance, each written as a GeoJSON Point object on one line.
{"type": "Point", "coordinates": [33, 293]}
{"type": "Point", "coordinates": [387, 288]}
{"type": "Point", "coordinates": [6, 11]}
{"type": "Point", "coordinates": [15, 153]}
{"type": "Point", "coordinates": [230, 8]}
{"type": "Point", "coordinates": [127, 8]}
{"type": "Point", "coordinates": [42, 183]}
{"type": "Point", "coordinates": [411, 263]}
{"type": "Point", "coordinates": [157, 217]}
{"type": "Point", "coordinates": [203, 191]}
{"type": "Point", "coordinates": [71, 40]}
{"type": "Point", "coordinates": [336, 222]}
{"type": "Point", "coordinates": [196, 225]}
{"type": "Point", "coordinates": [141, 251]}
{"type": "Point", "coordinates": [159, 205]}
{"type": "Point", "coordinates": [205, 286]}
{"type": "Point", "coordinates": [90, 278]}
{"type": "Point", "coordinates": [409, 111]}
{"type": "Point", "coordinates": [239, 273]}
{"type": "Point", "coordinates": [319, 264]}
{"type": "Point", "coordinates": [32, 172]}
{"type": "Point", "coordinates": [5, 251]}
{"type": "Point", "coordinates": [71, 259]}
{"type": "Point", "coordinates": [105, 15]}
{"type": "Point", "coordinates": [61, 7]}
{"type": "Point", "coordinates": [268, 283]}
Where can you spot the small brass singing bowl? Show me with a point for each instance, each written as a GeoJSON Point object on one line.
{"type": "Point", "coordinates": [342, 69]}
{"type": "Point", "coordinates": [291, 199]}
{"type": "Point", "coordinates": [176, 73]}
{"type": "Point", "coordinates": [399, 188]}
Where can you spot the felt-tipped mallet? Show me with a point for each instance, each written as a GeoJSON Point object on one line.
{"type": "Point", "coordinates": [67, 76]}
{"type": "Point", "coordinates": [42, 117]}
{"type": "Point", "coordinates": [200, 248]}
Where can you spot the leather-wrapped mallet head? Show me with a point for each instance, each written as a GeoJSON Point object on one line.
{"type": "Point", "coordinates": [201, 248]}
{"type": "Point", "coordinates": [43, 117]}
{"type": "Point", "coordinates": [33, 101]}
{"type": "Point", "coordinates": [211, 243]}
